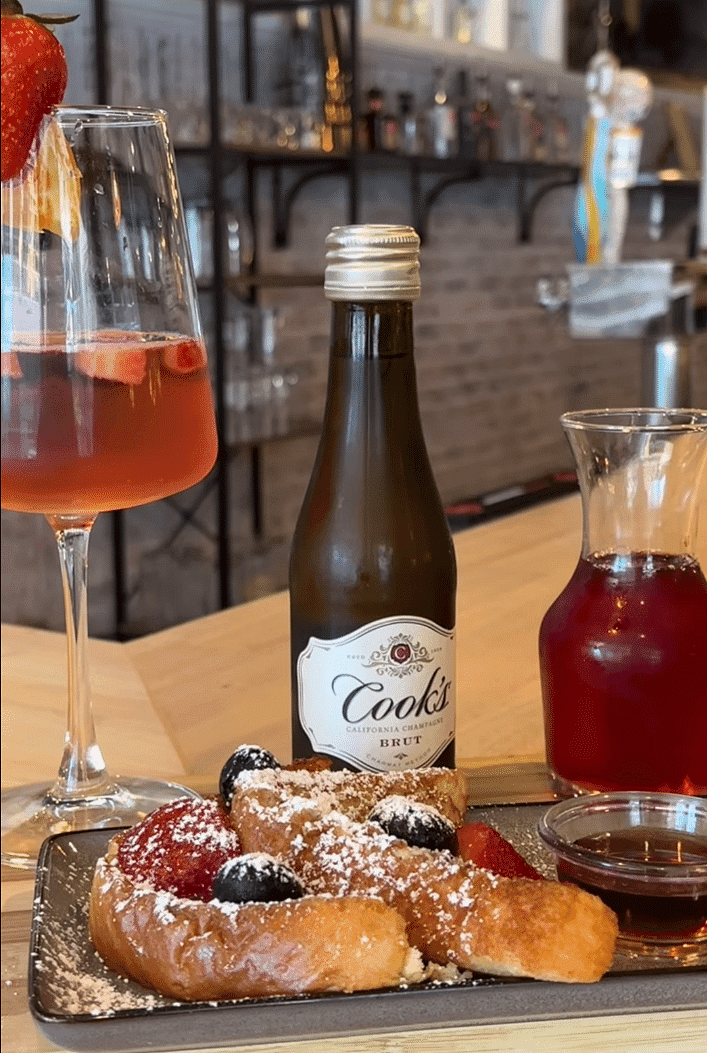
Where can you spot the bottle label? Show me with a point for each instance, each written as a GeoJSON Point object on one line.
{"type": "Point", "coordinates": [381, 698]}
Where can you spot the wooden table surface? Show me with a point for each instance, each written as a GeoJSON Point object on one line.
{"type": "Point", "coordinates": [176, 703]}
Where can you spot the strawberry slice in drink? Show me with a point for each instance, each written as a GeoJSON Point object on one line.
{"type": "Point", "coordinates": [11, 365]}
{"type": "Point", "coordinates": [483, 846]}
{"type": "Point", "coordinates": [184, 356]}
{"type": "Point", "coordinates": [115, 357]}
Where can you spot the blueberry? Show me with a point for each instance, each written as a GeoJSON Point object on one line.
{"type": "Point", "coordinates": [256, 878]}
{"type": "Point", "coordinates": [246, 758]}
{"type": "Point", "coordinates": [418, 824]}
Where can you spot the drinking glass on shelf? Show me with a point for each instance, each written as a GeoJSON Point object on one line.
{"type": "Point", "coordinates": [286, 128]}
{"type": "Point", "coordinates": [185, 92]}
{"type": "Point", "coordinates": [519, 27]}
{"type": "Point", "coordinates": [106, 397]}
{"type": "Point", "coordinates": [249, 126]}
{"type": "Point", "coordinates": [257, 389]}
{"type": "Point", "coordinates": [236, 238]}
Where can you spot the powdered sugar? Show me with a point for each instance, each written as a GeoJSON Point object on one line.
{"type": "Point", "coordinates": [355, 793]}
{"type": "Point", "coordinates": [71, 978]}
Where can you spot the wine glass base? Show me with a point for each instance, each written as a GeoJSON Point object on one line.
{"type": "Point", "coordinates": [30, 814]}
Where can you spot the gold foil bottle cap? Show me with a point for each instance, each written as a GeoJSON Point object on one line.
{"type": "Point", "coordinates": [368, 262]}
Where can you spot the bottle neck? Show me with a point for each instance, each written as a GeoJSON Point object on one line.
{"type": "Point", "coordinates": [372, 387]}
{"type": "Point", "coordinates": [380, 329]}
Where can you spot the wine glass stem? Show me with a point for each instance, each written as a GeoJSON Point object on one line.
{"type": "Point", "coordinates": [82, 771]}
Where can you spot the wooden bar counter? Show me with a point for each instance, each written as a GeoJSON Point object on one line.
{"type": "Point", "coordinates": [175, 704]}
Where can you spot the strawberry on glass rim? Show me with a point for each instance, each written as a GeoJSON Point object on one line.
{"type": "Point", "coordinates": [34, 76]}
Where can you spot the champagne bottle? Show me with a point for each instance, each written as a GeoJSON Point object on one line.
{"type": "Point", "coordinates": [372, 564]}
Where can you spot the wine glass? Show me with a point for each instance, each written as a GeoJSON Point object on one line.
{"type": "Point", "coordinates": [106, 397]}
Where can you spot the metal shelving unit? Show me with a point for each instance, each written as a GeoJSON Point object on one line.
{"type": "Point", "coordinates": [289, 172]}
{"type": "Point", "coordinates": [221, 161]}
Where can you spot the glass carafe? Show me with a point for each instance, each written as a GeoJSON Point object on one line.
{"type": "Point", "coordinates": [623, 649]}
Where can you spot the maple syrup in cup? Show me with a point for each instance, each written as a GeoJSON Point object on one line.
{"type": "Point", "coordinates": [106, 397]}
{"type": "Point", "coordinates": [645, 855]}
{"type": "Point", "coordinates": [623, 649]}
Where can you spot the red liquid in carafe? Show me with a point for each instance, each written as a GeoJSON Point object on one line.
{"type": "Point", "coordinates": [623, 663]}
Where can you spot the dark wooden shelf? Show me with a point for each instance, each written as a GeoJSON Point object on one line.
{"type": "Point", "coordinates": [298, 428]}
{"type": "Point", "coordinates": [244, 282]}
{"type": "Point", "coordinates": [381, 159]}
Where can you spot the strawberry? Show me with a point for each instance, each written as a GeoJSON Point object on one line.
{"type": "Point", "coordinates": [34, 76]}
{"type": "Point", "coordinates": [11, 365]}
{"type": "Point", "coordinates": [185, 356]}
{"type": "Point", "coordinates": [114, 358]}
{"type": "Point", "coordinates": [180, 847]}
{"type": "Point", "coordinates": [483, 846]}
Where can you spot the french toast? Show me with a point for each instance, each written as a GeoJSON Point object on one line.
{"type": "Point", "coordinates": [194, 950]}
{"type": "Point", "coordinates": [371, 910]}
{"type": "Point", "coordinates": [454, 911]}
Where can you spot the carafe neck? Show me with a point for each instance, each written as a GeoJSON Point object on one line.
{"type": "Point", "coordinates": [642, 491]}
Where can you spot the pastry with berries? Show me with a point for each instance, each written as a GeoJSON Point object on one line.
{"type": "Point", "coordinates": [455, 912]}
{"type": "Point", "coordinates": [295, 880]}
{"type": "Point", "coordinates": [176, 906]}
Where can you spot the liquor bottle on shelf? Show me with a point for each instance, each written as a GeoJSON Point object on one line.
{"type": "Point", "coordinates": [486, 121]}
{"type": "Point", "coordinates": [538, 127]}
{"type": "Point", "coordinates": [514, 130]}
{"type": "Point", "coordinates": [381, 12]}
{"type": "Point", "coordinates": [462, 21]}
{"type": "Point", "coordinates": [410, 125]}
{"type": "Point", "coordinates": [379, 128]}
{"type": "Point", "coordinates": [372, 565]}
{"type": "Point", "coordinates": [467, 118]}
{"type": "Point", "coordinates": [369, 122]}
{"type": "Point", "coordinates": [442, 118]}
{"type": "Point", "coordinates": [337, 131]}
{"type": "Point", "coordinates": [556, 130]}
{"type": "Point", "coordinates": [400, 14]}
{"type": "Point", "coordinates": [528, 133]}
{"type": "Point", "coordinates": [415, 16]}
{"type": "Point", "coordinates": [422, 17]}
{"type": "Point", "coordinates": [302, 83]}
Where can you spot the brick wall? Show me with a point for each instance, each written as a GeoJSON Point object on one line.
{"type": "Point", "coordinates": [495, 372]}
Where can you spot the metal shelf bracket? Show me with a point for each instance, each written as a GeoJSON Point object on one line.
{"type": "Point", "coordinates": [283, 198]}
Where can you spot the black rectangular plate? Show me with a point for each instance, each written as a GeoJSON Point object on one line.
{"type": "Point", "coordinates": [78, 1003]}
